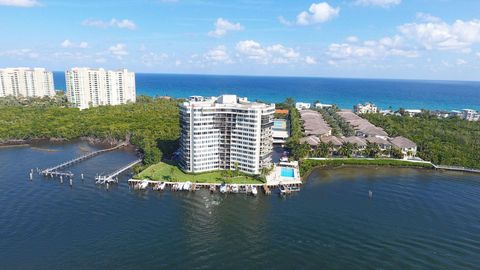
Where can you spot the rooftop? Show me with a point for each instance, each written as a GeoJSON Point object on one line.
{"type": "Point", "coordinates": [402, 142]}
{"type": "Point", "coordinates": [314, 123]}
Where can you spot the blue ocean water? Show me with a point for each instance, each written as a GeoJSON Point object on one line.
{"type": "Point", "coordinates": [409, 94]}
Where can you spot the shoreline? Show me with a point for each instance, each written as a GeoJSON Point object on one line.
{"type": "Point", "coordinates": [391, 163]}
{"type": "Point", "coordinates": [91, 140]}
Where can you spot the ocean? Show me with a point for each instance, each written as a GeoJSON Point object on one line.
{"type": "Point", "coordinates": [416, 219]}
{"type": "Point", "coordinates": [408, 94]}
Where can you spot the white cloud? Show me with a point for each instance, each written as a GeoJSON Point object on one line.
{"type": "Point", "coordinates": [317, 13]}
{"type": "Point", "coordinates": [443, 36]}
{"type": "Point", "coordinates": [69, 44]}
{"type": "Point", "coordinates": [371, 50]}
{"type": "Point", "coordinates": [379, 3]}
{"type": "Point", "coordinates": [310, 60]}
{"type": "Point", "coordinates": [284, 21]}
{"type": "Point", "coordinates": [119, 50]}
{"type": "Point", "coordinates": [425, 17]}
{"type": "Point", "coordinates": [222, 26]}
{"type": "Point", "coordinates": [461, 62]}
{"type": "Point", "coordinates": [123, 24]}
{"type": "Point", "coordinates": [275, 54]}
{"type": "Point", "coordinates": [20, 3]}
{"type": "Point", "coordinates": [152, 58]}
{"type": "Point", "coordinates": [218, 54]}
{"type": "Point", "coordinates": [352, 39]}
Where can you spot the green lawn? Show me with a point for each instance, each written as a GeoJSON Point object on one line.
{"type": "Point", "coordinates": [171, 173]}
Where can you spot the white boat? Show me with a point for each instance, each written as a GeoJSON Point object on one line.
{"type": "Point", "coordinates": [283, 189]}
{"type": "Point", "coordinates": [294, 188]}
{"type": "Point", "coordinates": [254, 191]}
{"type": "Point", "coordinates": [186, 186]}
{"type": "Point", "coordinates": [162, 186]}
{"type": "Point", "coordinates": [235, 189]}
{"type": "Point", "coordinates": [176, 186]}
{"type": "Point", "coordinates": [223, 188]}
{"type": "Point", "coordinates": [143, 185]}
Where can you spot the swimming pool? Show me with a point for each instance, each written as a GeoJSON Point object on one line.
{"type": "Point", "coordinates": [287, 172]}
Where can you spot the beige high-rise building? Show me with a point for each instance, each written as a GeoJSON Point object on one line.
{"type": "Point", "coordinates": [88, 87]}
{"type": "Point", "coordinates": [221, 133]}
{"type": "Point", "coordinates": [26, 82]}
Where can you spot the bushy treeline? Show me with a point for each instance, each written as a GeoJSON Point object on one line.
{"type": "Point", "coordinates": [151, 124]}
{"type": "Point", "coordinates": [59, 100]}
{"type": "Point", "coordinates": [442, 141]}
{"type": "Point", "coordinates": [308, 165]}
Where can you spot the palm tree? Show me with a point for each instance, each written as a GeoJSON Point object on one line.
{"type": "Point", "coordinates": [331, 148]}
{"type": "Point", "coordinates": [372, 150]}
{"type": "Point", "coordinates": [323, 149]}
{"type": "Point", "coordinates": [347, 149]}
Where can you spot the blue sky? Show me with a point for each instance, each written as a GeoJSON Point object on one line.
{"type": "Point", "coordinates": [410, 39]}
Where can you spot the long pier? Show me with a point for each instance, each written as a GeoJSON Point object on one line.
{"type": "Point", "coordinates": [53, 171]}
{"type": "Point", "coordinates": [105, 179]}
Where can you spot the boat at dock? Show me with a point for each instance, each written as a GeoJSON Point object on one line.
{"type": "Point", "coordinates": [186, 186]}
{"type": "Point", "coordinates": [223, 188]}
{"type": "Point", "coordinates": [159, 186]}
{"type": "Point", "coordinates": [213, 188]}
{"type": "Point", "coordinates": [141, 185]}
{"type": "Point", "coordinates": [254, 190]}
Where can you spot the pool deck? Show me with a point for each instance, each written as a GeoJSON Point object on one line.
{"type": "Point", "coordinates": [275, 178]}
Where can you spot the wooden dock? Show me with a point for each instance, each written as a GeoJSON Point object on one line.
{"type": "Point", "coordinates": [54, 171]}
{"type": "Point", "coordinates": [112, 178]}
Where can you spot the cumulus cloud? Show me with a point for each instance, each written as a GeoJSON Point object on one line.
{"type": "Point", "coordinates": [379, 3]}
{"type": "Point", "coordinates": [317, 13]}
{"type": "Point", "coordinates": [122, 24]}
{"type": "Point", "coordinates": [275, 54]}
{"type": "Point", "coordinates": [370, 50]}
{"type": "Point", "coordinates": [310, 60]}
{"type": "Point", "coordinates": [284, 21]}
{"type": "Point", "coordinates": [352, 39]}
{"type": "Point", "coordinates": [118, 50]}
{"type": "Point", "coordinates": [20, 3]}
{"type": "Point", "coordinates": [218, 54]}
{"type": "Point", "coordinates": [223, 26]}
{"type": "Point", "coordinates": [443, 36]}
{"type": "Point", "coordinates": [152, 58]}
{"type": "Point", "coordinates": [69, 44]}
{"type": "Point", "coordinates": [461, 62]}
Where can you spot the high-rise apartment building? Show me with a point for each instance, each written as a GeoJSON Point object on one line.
{"type": "Point", "coordinates": [26, 82]}
{"type": "Point", "coordinates": [88, 87]}
{"type": "Point", "coordinates": [224, 133]}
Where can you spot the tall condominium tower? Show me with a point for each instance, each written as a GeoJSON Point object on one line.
{"type": "Point", "coordinates": [88, 87]}
{"type": "Point", "coordinates": [26, 82]}
{"type": "Point", "coordinates": [222, 133]}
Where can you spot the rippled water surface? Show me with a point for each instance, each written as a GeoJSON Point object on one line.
{"type": "Point", "coordinates": [417, 219]}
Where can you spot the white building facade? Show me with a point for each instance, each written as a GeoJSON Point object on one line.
{"type": "Point", "coordinates": [365, 108]}
{"type": "Point", "coordinates": [26, 82]}
{"type": "Point", "coordinates": [470, 115]}
{"type": "Point", "coordinates": [302, 106]}
{"type": "Point", "coordinates": [222, 133]}
{"type": "Point", "coordinates": [87, 87]}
